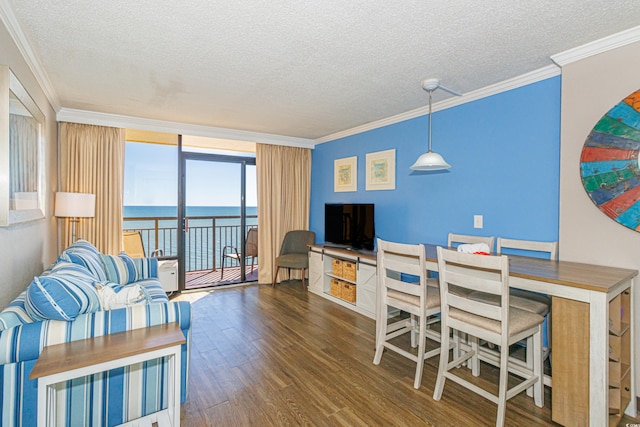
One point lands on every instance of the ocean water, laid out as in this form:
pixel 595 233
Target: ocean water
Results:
pixel 211 228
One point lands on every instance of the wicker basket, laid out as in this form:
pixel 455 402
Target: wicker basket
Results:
pixel 336 267
pixel 349 271
pixel 349 292
pixel 336 288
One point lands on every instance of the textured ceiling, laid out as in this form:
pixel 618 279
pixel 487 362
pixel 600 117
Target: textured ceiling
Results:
pixel 305 68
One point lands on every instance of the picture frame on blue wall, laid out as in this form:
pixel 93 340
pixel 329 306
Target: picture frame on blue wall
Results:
pixel 345 174
pixel 381 170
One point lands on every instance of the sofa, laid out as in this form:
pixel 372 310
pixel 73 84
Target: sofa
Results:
pixel 85 294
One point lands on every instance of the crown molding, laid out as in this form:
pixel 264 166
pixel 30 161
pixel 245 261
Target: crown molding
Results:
pixel 15 31
pixel 506 85
pixel 130 122
pixel 613 41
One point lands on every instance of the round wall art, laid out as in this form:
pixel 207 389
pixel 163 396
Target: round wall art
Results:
pixel 609 163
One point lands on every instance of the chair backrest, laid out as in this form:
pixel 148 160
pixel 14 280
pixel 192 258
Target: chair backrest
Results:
pixel 463 238
pixel 251 244
pixel 488 274
pixel 297 242
pixel 132 241
pixel 395 259
pixel 529 245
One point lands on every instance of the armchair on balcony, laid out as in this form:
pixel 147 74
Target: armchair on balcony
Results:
pixel 250 249
pixel 132 241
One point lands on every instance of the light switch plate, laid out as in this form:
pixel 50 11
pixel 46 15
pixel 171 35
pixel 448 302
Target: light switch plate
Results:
pixel 477 221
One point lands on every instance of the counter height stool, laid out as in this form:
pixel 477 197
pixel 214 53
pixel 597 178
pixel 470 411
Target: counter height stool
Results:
pixel 419 300
pixel 500 324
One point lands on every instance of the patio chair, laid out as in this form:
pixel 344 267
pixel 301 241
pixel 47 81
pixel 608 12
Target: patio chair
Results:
pixel 133 246
pixel 250 250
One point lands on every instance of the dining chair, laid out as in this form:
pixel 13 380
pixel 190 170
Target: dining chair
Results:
pixel 294 253
pixel 527 300
pixel 501 325
pixel 422 302
pixel 250 250
pixel 465 239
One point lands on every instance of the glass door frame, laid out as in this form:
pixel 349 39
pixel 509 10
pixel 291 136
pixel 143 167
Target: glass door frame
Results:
pixel 184 156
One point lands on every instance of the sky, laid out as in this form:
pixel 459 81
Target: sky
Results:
pixel 151 179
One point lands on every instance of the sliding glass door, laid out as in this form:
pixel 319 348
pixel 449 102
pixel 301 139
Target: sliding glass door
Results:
pixel 218 213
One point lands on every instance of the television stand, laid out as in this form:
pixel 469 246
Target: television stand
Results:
pixel 354 287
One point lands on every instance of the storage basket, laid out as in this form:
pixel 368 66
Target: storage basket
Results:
pixel 349 270
pixel 349 292
pixel 336 288
pixel 336 267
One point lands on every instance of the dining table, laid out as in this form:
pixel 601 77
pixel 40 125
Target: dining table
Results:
pixel 581 295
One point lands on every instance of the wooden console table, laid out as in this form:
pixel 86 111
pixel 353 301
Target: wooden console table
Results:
pixel 75 359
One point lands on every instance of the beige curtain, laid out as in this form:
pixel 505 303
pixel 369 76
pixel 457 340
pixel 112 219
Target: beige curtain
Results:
pixel 92 161
pixel 284 182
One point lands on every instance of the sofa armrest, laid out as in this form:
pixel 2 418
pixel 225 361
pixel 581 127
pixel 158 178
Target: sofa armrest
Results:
pixel 25 342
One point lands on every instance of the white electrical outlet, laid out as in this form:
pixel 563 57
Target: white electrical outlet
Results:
pixel 477 221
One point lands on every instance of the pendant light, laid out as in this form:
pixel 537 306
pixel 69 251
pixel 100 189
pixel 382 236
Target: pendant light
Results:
pixel 431 161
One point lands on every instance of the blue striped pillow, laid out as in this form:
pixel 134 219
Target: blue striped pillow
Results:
pixel 85 254
pixel 119 269
pixel 15 313
pixel 62 295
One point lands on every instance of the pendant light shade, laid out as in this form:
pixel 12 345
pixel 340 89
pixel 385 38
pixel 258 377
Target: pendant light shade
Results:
pixel 431 161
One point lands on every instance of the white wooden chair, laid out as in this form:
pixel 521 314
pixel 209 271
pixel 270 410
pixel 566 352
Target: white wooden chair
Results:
pixel 464 238
pixel 417 299
pixel 498 324
pixel 526 300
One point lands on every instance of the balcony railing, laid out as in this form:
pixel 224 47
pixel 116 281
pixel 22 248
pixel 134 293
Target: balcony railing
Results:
pixel 205 239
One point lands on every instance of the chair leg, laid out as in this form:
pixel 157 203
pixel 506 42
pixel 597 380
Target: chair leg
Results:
pixel 529 360
pixel 538 369
pixel 275 276
pixel 502 393
pixel 421 347
pixel 475 360
pixel 415 331
pixel 381 329
pixel 304 273
pixel 444 360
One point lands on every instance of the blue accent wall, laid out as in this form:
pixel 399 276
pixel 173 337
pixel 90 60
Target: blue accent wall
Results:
pixel 505 157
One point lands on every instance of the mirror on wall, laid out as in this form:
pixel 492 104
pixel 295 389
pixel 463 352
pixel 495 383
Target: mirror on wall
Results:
pixel 21 153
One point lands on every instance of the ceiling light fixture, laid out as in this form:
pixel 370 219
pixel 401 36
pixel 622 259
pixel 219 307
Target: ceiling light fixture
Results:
pixel 431 161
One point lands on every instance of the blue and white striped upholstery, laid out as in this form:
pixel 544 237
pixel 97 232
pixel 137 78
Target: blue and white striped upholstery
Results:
pixel 119 269
pixel 85 254
pixel 63 294
pixel 105 399
pixel 108 399
pixel 15 313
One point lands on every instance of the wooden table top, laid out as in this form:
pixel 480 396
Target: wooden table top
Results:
pixel 67 356
pixel 575 274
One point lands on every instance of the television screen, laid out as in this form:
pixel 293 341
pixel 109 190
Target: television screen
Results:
pixel 349 224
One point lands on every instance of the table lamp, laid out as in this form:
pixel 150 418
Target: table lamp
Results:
pixel 75 206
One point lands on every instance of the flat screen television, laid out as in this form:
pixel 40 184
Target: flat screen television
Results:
pixel 349 225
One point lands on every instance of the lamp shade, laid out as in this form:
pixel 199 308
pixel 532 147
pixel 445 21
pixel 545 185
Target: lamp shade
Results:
pixel 430 161
pixel 75 205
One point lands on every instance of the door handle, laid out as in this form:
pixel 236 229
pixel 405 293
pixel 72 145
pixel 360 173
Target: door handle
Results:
pixel 185 224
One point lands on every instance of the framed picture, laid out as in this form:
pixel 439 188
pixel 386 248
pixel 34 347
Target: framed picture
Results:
pixel 381 170
pixel 345 173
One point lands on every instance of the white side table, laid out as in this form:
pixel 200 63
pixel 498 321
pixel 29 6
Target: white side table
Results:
pixel 75 359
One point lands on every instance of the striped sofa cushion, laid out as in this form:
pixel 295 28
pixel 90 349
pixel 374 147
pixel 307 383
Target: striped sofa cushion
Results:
pixel 15 313
pixel 105 399
pixel 63 294
pixel 119 269
pixel 85 254
pixel 146 268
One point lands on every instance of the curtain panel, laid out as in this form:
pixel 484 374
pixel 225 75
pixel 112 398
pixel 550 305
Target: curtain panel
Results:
pixel 92 161
pixel 284 182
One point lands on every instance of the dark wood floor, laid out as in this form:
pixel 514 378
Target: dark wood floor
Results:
pixel 265 357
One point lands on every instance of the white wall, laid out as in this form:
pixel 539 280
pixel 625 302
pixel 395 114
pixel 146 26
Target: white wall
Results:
pixel 590 87
pixel 26 249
